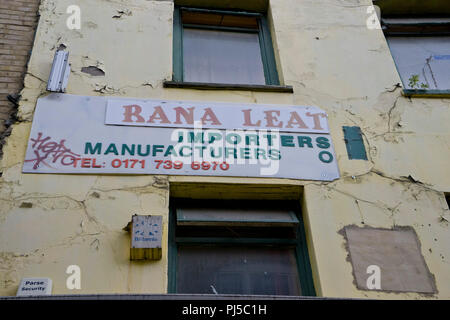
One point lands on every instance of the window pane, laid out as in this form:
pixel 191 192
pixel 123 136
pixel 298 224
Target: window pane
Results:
pixel 222 57
pixel 422 60
pixel 237 270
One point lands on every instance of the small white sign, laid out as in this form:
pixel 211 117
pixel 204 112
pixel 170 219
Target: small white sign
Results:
pixel 35 287
pixel 146 232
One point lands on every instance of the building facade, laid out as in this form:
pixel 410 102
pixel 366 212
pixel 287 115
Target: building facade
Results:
pixel 356 206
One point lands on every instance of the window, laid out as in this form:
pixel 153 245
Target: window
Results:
pixel 237 247
pixel 418 35
pixel 222 47
pixel 421 52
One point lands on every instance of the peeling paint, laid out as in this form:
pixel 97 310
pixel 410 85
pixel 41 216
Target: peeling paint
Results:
pixel 121 13
pixel 93 71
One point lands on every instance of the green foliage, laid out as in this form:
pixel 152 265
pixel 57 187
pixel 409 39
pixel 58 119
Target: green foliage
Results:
pixel 414 82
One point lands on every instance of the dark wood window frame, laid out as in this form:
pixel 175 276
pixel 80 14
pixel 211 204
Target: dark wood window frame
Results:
pixel 267 53
pixel 296 240
pixel 420 29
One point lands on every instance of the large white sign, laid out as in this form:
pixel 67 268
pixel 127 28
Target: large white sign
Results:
pixel 69 135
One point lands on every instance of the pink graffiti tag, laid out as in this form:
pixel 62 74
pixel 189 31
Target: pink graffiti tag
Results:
pixel 45 148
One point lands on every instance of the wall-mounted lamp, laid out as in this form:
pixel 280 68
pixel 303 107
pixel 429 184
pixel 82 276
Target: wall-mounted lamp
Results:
pixel 59 76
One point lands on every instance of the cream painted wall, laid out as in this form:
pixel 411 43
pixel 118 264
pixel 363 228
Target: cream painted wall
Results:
pixel 333 61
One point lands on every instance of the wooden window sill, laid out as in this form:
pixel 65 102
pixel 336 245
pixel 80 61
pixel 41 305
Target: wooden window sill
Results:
pixel 226 86
pixel 418 93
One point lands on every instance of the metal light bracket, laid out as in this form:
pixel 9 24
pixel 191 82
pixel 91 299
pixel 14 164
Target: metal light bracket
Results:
pixel 59 76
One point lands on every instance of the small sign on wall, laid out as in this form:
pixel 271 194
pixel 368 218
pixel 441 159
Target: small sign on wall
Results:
pixel 35 287
pixel 146 234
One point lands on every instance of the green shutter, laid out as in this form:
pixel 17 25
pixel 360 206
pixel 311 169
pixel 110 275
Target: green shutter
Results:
pixel 354 143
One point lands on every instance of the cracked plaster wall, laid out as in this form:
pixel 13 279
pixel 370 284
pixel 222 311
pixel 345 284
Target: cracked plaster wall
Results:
pixel 333 61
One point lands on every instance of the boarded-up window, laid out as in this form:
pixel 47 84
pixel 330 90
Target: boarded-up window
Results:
pixel 397 255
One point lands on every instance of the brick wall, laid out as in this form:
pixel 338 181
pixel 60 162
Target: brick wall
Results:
pixel 18 21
